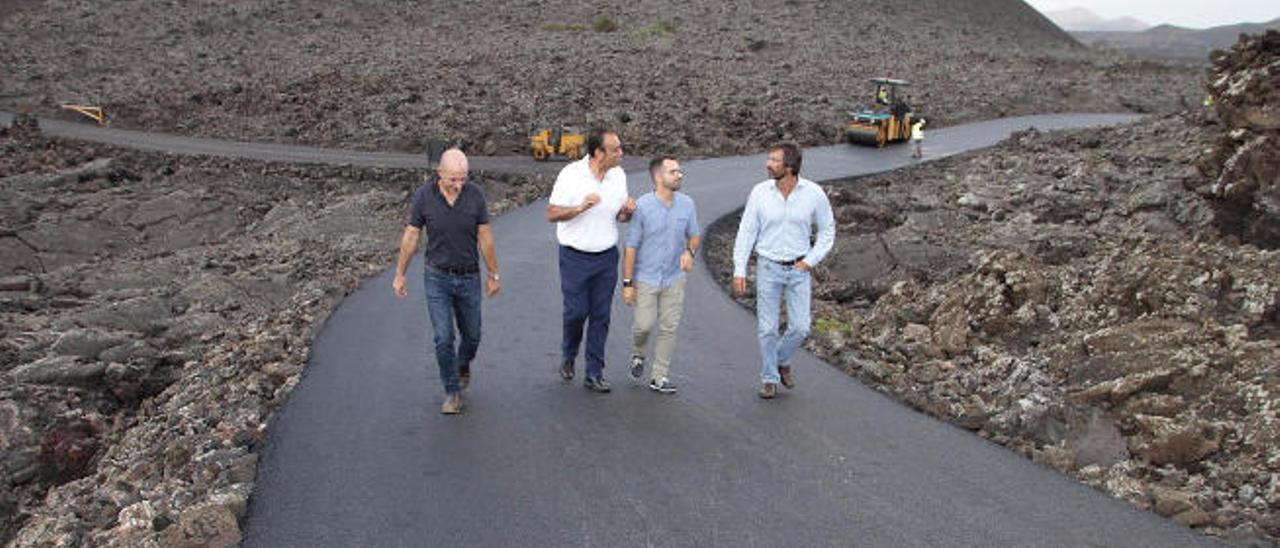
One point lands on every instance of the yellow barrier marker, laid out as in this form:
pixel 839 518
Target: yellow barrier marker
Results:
pixel 92 112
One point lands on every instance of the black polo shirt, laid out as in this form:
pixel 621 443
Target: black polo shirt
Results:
pixel 450 230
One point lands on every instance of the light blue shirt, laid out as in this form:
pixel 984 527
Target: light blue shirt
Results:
pixel 779 229
pixel 660 233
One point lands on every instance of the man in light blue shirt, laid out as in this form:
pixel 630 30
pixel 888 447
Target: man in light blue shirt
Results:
pixel 778 222
pixel 661 244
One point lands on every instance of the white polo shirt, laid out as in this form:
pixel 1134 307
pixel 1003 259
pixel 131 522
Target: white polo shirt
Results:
pixel 596 229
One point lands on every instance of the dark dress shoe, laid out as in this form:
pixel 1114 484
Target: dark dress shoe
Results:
pixel 768 391
pixel 788 381
pixel 566 370
pixel 596 385
pixel 464 376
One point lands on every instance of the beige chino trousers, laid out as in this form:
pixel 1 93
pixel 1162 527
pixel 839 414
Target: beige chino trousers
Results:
pixel 663 307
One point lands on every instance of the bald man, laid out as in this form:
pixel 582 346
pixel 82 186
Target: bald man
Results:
pixel 455 216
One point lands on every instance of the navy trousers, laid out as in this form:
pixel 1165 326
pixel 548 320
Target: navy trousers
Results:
pixel 587 281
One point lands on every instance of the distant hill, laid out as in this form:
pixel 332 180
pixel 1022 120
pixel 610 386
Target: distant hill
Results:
pixel 1170 42
pixel 1082 19
pixel 673 76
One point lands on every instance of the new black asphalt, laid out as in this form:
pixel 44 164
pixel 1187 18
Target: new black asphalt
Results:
pixel 274 152
pixel 361 456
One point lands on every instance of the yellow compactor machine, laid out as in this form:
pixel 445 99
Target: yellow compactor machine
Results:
pixel 567 141
pixel 886 120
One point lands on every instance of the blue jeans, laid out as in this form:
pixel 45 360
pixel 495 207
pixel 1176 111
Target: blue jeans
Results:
pixel 453 297
pixel 587 281
pixel 772 282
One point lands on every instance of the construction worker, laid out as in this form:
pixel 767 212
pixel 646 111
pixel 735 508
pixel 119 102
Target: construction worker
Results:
pixel 882 95
pixel 1208 101
pixel 917 138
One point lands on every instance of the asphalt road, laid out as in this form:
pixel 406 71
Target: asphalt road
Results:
pixel 86 130
pixel 360 455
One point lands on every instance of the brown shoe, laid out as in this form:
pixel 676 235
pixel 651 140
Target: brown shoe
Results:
pixel 464 376
pixel 452 404
pixel 768 391
pixel 788 381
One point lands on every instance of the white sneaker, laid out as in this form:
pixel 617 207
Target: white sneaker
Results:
pixel 664 386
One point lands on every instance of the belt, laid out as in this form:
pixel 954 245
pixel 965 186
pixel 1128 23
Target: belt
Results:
pixel 791 262
pixel 576 250
pixel 456 270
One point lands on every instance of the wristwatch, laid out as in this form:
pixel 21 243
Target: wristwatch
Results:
pixel 626 282
pixel 692 253
pixel 495 277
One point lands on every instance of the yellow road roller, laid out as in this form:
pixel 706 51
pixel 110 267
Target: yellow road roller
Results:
pixel 886 120
pixel 558 141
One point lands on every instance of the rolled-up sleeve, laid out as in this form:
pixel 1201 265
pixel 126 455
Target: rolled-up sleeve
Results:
pixel 635 232
pixel 692 229
pixel 748 230
pixel 825 221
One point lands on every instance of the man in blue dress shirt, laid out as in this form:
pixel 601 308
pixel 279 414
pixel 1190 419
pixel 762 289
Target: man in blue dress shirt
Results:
pixel 661 244
pixel 778 223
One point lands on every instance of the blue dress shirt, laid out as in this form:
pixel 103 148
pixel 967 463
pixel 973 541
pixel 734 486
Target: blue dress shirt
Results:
pixel 659 233
pixel 780 229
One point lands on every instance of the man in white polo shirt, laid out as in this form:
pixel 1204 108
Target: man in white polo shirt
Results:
pixel 587 201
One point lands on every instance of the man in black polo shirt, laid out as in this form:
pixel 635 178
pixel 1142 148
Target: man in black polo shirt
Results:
pixel 456 218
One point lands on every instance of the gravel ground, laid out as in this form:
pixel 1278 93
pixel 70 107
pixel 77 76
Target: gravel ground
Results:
pixel 688 78
pixel 1078 298
pixel 156 309
pixel 154 312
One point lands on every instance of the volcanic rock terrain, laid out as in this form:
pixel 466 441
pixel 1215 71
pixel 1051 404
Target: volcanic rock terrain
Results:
pixel 1099 301
pixel 1103 301
pixel 154 313
pixel 692 78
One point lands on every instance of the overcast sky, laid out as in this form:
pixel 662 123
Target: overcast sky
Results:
pixel 1183 13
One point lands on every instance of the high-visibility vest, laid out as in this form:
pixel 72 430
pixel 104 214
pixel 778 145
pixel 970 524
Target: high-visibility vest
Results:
pixel 917 130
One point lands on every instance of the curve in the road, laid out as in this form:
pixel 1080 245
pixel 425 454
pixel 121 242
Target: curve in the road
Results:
pixel 275 152
pixel 360 456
